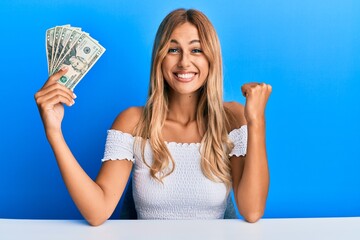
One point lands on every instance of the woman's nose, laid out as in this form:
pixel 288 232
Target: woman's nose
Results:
pixel 184 60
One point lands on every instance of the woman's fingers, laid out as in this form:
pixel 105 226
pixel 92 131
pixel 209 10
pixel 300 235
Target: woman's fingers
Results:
pixel 257 95
pixel 249 89
pixel 50 100
pixel 53 90
pixel 52 87
pixel 55 77
pixel 56 99
pixel 55 94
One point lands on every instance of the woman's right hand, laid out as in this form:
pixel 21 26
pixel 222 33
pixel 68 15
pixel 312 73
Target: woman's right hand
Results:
pixel 50 99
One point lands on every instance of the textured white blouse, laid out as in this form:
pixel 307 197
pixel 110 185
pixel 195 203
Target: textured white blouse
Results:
pixel 184 194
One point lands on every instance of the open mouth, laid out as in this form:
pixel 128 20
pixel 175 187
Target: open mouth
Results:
pixel 185 77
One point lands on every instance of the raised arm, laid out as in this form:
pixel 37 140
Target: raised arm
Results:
pixel 250 173
pixel 96 200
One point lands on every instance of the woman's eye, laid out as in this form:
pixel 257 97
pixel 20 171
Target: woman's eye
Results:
pixel 197 50
pixel 173 50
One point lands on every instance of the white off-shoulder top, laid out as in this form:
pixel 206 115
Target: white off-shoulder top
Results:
pixel 184 194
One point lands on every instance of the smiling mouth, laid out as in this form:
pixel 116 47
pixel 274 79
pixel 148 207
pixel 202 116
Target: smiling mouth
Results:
pixel 184 77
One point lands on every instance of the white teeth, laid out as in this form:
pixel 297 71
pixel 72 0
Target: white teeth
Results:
pixel 186 75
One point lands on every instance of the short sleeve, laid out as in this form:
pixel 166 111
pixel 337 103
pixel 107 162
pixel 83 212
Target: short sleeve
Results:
pixel 239 138
pixel 119 146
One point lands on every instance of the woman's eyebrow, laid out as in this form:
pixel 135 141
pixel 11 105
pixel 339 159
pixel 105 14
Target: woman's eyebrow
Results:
pixel 194 41
pixel 191 42
pixel 174 41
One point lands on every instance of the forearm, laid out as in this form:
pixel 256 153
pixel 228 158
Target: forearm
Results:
pixel 253 187
pixel 87 195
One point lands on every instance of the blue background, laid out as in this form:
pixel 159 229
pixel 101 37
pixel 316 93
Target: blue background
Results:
pixel 307 50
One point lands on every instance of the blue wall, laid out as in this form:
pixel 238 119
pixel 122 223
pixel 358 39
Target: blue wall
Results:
pixel 308 51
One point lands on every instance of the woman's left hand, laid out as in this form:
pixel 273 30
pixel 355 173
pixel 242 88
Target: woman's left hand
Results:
pixel 257 95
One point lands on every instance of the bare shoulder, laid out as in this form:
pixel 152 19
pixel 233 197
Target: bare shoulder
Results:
pixel 235 112
pixel 127 120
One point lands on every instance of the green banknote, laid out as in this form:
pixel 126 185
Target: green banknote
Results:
pixel 70 47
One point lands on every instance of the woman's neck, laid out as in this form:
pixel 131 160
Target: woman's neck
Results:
pixel 182 108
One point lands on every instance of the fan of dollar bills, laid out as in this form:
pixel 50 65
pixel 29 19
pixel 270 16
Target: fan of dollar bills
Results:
pixel 70 47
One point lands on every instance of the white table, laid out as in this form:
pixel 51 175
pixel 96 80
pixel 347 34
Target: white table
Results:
pixel 277 229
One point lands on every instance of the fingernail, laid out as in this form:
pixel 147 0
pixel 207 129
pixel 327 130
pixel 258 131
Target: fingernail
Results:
pixel 64 68
pixel 74 95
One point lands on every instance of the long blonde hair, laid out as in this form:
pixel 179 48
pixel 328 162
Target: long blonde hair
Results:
pixel 211 116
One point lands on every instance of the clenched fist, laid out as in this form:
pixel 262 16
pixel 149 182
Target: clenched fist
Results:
pixel 257 95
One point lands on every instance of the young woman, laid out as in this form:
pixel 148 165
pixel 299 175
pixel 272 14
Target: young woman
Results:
pixel 188 147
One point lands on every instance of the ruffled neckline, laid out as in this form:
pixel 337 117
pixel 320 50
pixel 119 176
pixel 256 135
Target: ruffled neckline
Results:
pixel 231 134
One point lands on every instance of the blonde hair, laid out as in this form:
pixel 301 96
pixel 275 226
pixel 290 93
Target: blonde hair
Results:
pixel 211 116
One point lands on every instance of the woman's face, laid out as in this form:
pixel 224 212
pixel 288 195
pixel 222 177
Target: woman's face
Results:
pixel 185 67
